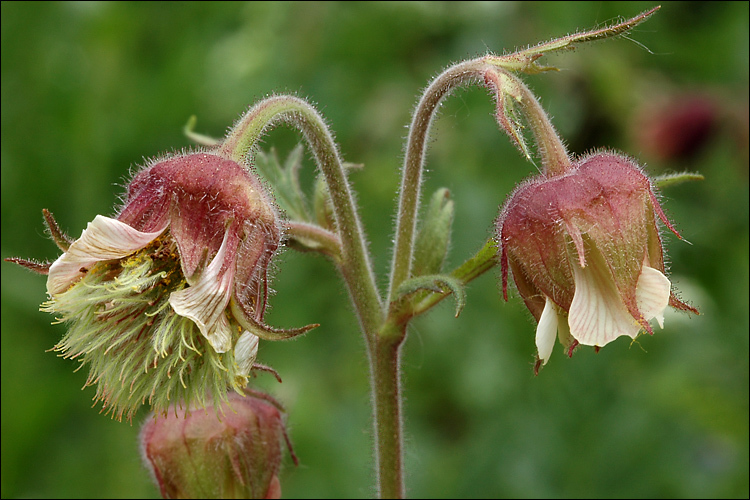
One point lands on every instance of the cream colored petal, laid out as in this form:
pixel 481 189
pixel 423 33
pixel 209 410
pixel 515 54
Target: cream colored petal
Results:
pixel 546 331
pixel 219 334
pixel 103 239
pixel 206 301
pixel 597 313
pixel 245 353
pixel 652 294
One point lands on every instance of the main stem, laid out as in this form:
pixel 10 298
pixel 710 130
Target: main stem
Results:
pixel 386 377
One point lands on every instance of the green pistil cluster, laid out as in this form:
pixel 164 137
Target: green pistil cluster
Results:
pixel 139 351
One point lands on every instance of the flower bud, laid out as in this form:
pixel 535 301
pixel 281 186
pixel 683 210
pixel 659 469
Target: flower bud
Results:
pixel 677 129
pixel 585 253
pixel 204 455
pixel 166 301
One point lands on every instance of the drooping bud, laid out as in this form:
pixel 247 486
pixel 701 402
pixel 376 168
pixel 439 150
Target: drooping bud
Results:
pixel 585 253
pixel 234 454
pixel 166 301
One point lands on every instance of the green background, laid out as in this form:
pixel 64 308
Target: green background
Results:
pixel 91 89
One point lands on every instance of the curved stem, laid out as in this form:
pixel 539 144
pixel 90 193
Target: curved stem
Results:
pixel 355 262
pixel 385 352
pixel 416 147
pixel 489 71
pixel 494 70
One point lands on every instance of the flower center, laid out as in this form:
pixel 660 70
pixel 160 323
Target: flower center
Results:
pixel 122 325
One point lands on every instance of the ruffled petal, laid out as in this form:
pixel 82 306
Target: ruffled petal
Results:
pixel 206 301
pixel 103 239
pixel 652 294
pixel 597 313
pixel 245 352
pixel 546 331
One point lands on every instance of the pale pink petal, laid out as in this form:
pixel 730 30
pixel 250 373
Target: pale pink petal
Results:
pixel 245 352
pixel 546 331
pixel 652 294
pixel 206 301
pixel 103 239
pixel 597 313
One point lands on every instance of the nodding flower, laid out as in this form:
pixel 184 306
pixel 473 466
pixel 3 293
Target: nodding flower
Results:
pixel 165 301
pixel 584 251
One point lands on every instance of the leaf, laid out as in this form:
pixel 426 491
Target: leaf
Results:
pixel 434 236
pixel 507 113
pixel 525 61
pixel 668 180
pixel 285 181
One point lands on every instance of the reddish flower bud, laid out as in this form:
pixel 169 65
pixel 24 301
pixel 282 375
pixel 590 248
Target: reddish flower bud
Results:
pixel 204 455
pixel 585 253
pixel 678 128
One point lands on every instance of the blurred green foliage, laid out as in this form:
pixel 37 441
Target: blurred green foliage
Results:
pixel 90 89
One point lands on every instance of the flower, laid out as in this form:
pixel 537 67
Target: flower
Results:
pixel 585 253
pixel 166 301
pixel 676 128
pixel 204 455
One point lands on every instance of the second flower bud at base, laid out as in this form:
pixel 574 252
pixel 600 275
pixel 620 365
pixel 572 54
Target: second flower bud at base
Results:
pixel 585 253
pixel 234 454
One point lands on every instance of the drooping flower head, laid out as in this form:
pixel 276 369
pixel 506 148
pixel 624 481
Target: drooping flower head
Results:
pixel 165 302
pixel 585 253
